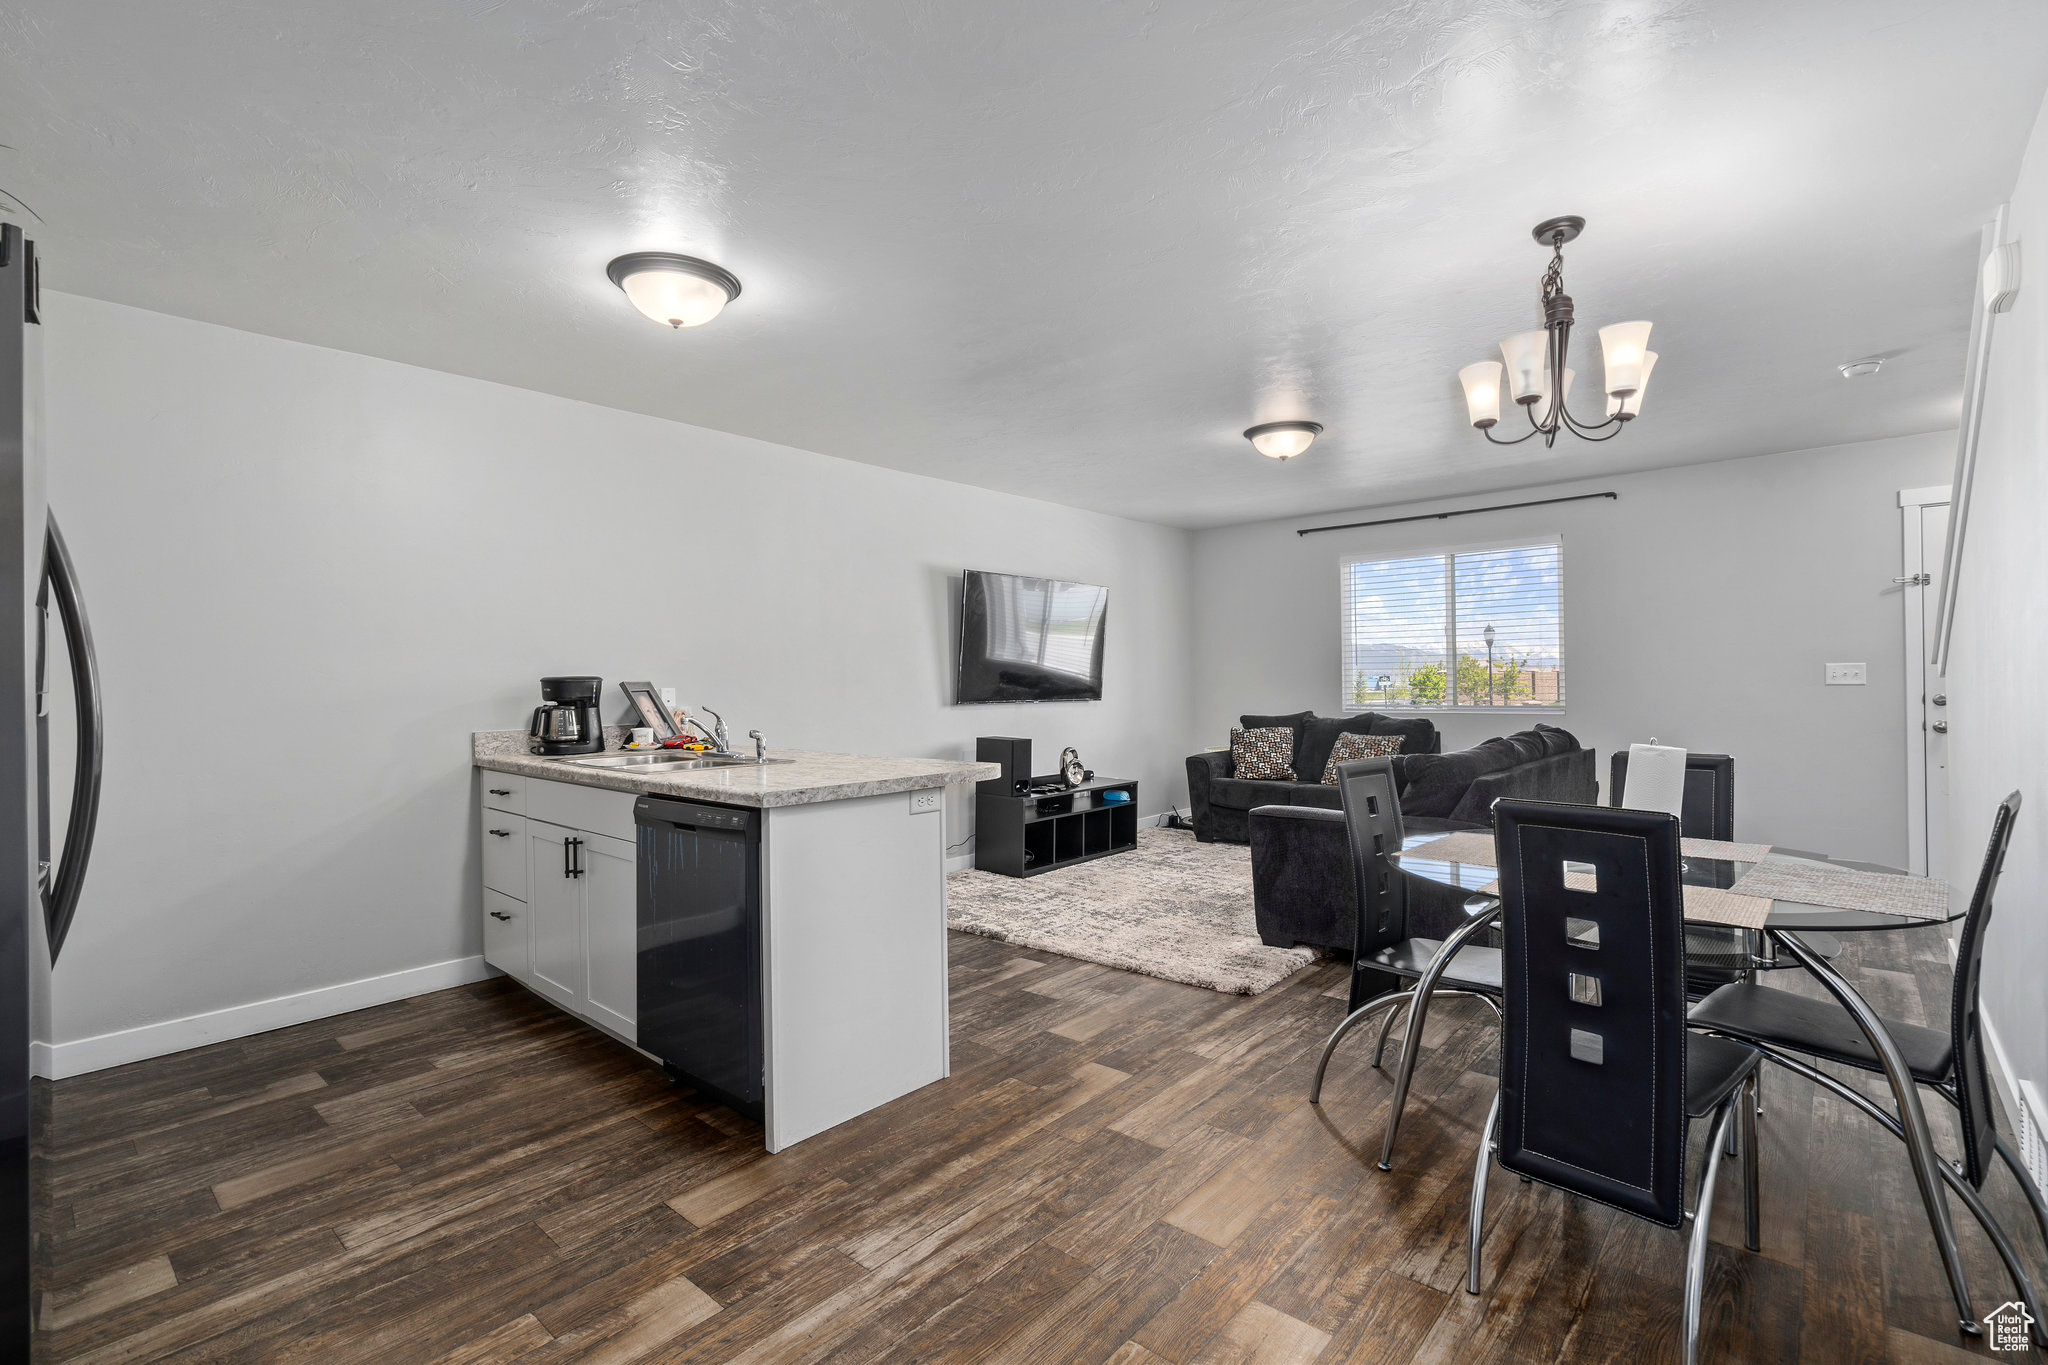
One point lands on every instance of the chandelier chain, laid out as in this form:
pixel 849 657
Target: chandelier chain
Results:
pixel 1553 278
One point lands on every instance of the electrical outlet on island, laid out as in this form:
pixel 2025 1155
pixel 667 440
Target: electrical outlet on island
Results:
pixel 922 802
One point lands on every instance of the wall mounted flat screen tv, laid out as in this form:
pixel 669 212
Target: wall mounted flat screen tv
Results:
pixel 1029 639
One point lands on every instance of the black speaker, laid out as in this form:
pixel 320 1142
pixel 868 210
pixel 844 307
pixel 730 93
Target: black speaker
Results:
pixel 1013 754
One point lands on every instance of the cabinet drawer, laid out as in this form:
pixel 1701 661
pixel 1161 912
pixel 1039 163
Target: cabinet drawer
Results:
pixel 505 853
pixel 502 791
pixel 595 810
pixel 505 933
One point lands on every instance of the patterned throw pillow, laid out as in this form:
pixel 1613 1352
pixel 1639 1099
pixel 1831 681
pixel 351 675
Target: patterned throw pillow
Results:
pixel 1351 748
pixel 1262 755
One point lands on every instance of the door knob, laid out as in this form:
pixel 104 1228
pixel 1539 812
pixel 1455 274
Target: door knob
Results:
pixel 1941 727
pixel 1941 699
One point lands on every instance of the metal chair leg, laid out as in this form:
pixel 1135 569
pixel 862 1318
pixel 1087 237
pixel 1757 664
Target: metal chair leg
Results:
pixel 1696 1253
pixel 1949 1175
pixel 1351 1020
pixel 1476 1215
pixel 1913 1125
pixel 1752 1195
pixel 1404 1075
pixel 1418 1012
pixel 2007 1252
pixel 1379 1053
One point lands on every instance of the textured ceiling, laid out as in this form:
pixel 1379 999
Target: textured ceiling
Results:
pixel 1065 248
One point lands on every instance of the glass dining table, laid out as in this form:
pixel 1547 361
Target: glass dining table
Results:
pixel 1784 930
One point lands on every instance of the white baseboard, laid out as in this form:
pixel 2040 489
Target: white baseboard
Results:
pixel 961 862
pixel 2002 1078
pixel 81 1055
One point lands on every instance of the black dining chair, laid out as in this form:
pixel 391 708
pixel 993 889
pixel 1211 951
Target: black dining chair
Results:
pixel 1708 805
pixel 1950 1062
pixel 1395 934
pixel 1714 954
pixel 1600 1079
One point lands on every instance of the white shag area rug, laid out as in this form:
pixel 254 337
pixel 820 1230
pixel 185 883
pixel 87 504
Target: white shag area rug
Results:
pixel 1172 908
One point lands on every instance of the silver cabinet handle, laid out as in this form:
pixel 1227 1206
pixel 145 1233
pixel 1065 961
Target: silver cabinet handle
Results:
pixel 500 914
pixel 60 892
pixel 1941 727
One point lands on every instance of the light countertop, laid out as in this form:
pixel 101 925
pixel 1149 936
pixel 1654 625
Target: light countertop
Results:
pixel 809 777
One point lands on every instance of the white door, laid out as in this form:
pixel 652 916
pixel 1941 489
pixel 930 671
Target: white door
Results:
pixel 1924 534
pixel 610 899
pixel 555 913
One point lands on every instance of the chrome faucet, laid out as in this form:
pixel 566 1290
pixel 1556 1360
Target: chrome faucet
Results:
pixel 718 739
pixel 760 746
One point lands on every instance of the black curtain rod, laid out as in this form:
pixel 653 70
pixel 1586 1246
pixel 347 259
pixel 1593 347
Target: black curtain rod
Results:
pixel 1461 512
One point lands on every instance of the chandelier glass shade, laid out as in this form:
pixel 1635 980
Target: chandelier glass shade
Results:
pixel 1532 368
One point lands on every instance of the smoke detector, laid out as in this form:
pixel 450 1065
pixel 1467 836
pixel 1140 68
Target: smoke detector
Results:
pixel 1856 369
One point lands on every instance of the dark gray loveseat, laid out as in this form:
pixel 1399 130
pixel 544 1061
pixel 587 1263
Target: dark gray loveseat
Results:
pixel 1301 870
pixel 1220 803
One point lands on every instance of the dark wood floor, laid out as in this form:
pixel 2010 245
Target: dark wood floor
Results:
pixel 1119 1169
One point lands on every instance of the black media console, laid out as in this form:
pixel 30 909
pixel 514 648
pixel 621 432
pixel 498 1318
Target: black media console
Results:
pixel 1039 830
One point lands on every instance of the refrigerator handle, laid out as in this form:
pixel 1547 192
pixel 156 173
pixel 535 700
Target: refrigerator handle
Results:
pixel 60 891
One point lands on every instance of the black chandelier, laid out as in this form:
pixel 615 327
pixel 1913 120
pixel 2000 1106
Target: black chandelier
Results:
pixel 1535 371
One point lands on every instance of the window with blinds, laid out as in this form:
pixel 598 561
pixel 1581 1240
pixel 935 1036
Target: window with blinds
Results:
pixel 1466 629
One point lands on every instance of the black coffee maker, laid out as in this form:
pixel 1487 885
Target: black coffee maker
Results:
pixel 568 722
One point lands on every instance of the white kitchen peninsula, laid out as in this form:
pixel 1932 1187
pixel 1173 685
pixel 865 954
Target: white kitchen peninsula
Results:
pixel 852 933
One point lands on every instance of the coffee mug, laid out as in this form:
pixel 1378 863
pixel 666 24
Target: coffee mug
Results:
pixel 643 736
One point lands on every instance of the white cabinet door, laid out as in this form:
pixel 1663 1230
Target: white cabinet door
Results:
pixel 610 897
pixel 555 913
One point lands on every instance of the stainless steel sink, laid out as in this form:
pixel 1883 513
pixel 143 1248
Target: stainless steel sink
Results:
pixel 632 761
pixel 673 762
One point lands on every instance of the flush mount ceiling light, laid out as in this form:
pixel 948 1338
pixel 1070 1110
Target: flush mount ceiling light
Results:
pixel 1856 369
pixel 1283 440
pixel 680 291
pixel 1535 375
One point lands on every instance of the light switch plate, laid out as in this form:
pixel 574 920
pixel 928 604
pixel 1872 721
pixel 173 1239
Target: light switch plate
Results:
pixel 1846 675
pixel 932 800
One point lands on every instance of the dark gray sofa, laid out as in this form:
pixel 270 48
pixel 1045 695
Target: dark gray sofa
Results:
pixel 1543 764
pixel 1301 870
pixel 1220 803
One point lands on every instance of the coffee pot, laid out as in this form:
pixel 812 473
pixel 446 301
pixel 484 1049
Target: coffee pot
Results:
pixel 567 721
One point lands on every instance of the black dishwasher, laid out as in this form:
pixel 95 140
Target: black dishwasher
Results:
pixel 699 944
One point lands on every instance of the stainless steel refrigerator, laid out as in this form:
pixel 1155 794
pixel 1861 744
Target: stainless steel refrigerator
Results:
pixel 38 894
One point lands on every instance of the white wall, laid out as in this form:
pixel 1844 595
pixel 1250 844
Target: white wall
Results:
pixel 311 574
pixel 1998 664
pixel 1699 608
